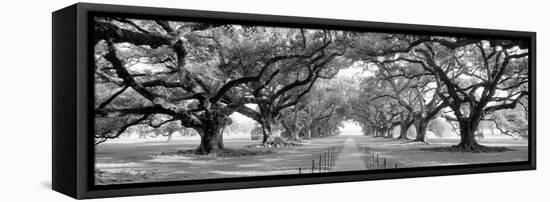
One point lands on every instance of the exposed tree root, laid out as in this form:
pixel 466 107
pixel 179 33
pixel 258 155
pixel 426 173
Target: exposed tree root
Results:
pixel 279 142
pixel 295 140
pixel 470 148
pixel 203 151
pixel 220 153
pixel 417 142
pixel 476 148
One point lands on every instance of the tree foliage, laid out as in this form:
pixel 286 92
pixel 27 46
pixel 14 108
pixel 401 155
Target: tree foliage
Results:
pixel 170 76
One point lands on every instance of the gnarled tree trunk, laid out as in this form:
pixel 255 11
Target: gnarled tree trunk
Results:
pixel 389 134
pixel 383 133
pixel 211 133
pixel 376 133
pixel 293 132
pixel 468 142
pixel 211 139
pixel 307 134
pixel 272 134
pixel 421 128
pixel 403 129
pixel 294 136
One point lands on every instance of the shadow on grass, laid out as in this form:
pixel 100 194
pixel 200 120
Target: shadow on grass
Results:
pixel 225 153
pixel 481 149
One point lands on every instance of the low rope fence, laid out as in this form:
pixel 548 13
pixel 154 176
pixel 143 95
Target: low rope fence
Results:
pixel 324 163
pixel 373 161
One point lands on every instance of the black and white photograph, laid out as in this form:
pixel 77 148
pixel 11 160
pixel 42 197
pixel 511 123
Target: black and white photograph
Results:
pixel 192 100
pixel 275 101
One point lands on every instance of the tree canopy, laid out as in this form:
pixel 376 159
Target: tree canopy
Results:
pixel 171 75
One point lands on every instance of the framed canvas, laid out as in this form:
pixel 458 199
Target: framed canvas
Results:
pixel 155 100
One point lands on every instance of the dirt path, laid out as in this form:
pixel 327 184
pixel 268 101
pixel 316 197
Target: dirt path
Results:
pixel 349 158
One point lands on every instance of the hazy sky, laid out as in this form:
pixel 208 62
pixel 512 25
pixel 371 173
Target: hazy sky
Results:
pixel 358 69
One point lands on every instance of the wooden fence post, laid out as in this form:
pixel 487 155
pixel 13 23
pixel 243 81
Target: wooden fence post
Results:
pixel 312 166
pixel 377 162
pixel 372 160
pixel 330 159
pixel 320 163
pixel 324 161
pixel 368 162
pixel 366 165
pixel 333 157
pixel 325 155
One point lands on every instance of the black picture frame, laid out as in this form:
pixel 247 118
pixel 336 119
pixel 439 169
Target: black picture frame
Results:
pixel 73 149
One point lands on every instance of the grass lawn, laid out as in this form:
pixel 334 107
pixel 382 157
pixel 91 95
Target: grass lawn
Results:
pixel 154 161
pixel 420 155
pixel 143 162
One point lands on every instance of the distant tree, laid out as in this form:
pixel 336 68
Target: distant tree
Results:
pixel 379 116
pixel 325 107
pixel 476 77
pixel 511 122
pixel 283 85
pixel 256 132
pixel 441 128
pixel 401 90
